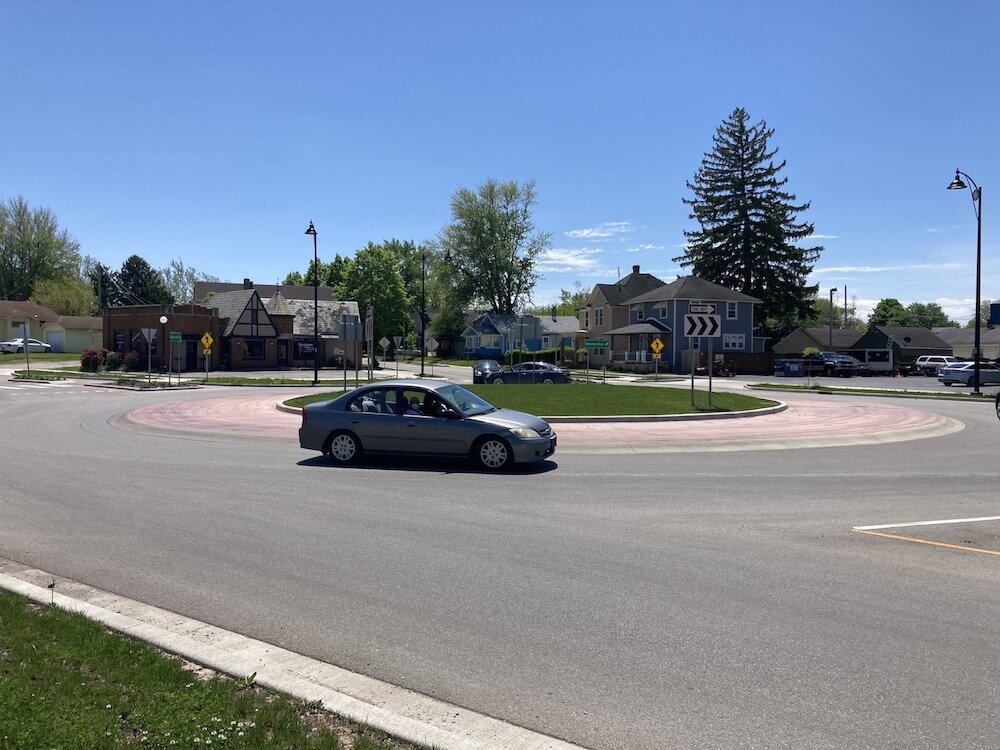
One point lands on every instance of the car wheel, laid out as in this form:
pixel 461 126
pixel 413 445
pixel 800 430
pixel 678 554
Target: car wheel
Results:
pixel 492 453
pixel 547 381
pixel 998 406
pixel 343 448
pixel 497 381
pixel 20 350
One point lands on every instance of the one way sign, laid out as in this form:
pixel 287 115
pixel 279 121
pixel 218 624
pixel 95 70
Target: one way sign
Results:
pixel 702 325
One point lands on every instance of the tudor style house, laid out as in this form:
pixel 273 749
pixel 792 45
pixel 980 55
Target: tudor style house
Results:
pixel 247 331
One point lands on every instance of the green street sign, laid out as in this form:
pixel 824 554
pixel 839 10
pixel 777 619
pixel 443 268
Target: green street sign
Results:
pixel 175 335
pixel 596 343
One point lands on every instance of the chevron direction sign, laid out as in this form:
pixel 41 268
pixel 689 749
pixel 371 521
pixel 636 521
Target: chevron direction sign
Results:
pixel 702 325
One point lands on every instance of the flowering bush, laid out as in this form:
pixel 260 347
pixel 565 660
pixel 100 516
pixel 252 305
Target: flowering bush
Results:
pixel 113 361
pixel 92 359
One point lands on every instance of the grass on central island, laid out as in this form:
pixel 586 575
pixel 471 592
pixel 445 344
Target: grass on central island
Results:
pixel 598 400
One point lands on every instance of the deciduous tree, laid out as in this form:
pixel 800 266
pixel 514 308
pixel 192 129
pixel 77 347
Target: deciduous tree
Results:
pixel 492 244
pixel 33 248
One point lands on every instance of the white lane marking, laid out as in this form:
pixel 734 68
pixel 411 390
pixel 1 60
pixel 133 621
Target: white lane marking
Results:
pixel 925 523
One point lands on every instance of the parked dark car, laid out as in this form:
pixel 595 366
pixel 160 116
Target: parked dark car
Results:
pixel 530 372
pixel 483 368
pixel 857 366
pixel 417 417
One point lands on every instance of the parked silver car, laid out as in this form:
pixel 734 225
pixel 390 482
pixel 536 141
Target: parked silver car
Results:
pixel 425 418
pixel 963 373
pixel 15 346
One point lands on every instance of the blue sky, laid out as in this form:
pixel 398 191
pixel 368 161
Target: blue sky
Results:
pixel 215 131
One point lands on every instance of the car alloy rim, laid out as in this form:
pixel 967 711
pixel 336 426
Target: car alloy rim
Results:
pixel 548 381
pixel 342 448
pixel 493 454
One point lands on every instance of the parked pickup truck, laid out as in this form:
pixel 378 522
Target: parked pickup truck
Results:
pixel 830 364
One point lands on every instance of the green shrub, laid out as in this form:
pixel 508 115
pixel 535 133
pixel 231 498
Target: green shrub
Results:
pixel 91 360
pixel 113 361
pixel 131 362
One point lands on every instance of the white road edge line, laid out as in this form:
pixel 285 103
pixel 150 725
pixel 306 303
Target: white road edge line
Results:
pixel 924 523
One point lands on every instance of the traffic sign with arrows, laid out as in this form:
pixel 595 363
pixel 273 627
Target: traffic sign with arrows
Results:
pixel 702 325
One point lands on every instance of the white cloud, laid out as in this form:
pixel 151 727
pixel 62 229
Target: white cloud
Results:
pixel 886 269
pixel 602 231
pixel 556 260
pixel 823 237
pixel 646 246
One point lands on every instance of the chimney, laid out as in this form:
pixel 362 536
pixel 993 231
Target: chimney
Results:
pixel 247 284
pixel 553 312
pixel 635 269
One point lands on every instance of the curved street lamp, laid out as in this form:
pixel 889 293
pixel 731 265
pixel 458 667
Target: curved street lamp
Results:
pixel 312 230
pixel 977 205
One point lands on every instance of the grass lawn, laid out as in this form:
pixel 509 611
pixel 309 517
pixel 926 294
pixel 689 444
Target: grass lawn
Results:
pixel 596 399
pixel 66 682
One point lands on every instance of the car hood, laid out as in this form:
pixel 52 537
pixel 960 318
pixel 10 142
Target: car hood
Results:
pixel 508 418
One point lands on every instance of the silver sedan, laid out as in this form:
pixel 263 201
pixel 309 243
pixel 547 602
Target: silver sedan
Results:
pixel 425 418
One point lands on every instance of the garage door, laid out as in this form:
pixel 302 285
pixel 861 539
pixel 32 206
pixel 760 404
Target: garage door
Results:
pixel 56 339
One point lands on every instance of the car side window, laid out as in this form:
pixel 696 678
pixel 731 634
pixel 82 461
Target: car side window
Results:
pixel 376 401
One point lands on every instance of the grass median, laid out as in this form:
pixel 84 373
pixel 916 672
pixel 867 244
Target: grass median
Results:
pixel 598 400
pixel 67 682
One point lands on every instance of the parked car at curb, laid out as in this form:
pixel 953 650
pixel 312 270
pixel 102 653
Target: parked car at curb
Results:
pixel 963 372
pixel 828 363
pixel 530 372
pixel 931 364
pixel 16 346
pixel 423 418
pixel 483 368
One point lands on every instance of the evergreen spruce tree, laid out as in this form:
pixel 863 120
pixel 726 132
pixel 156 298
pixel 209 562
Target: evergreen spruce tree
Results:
pixel 748 224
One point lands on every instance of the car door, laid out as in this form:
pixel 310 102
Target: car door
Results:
pixel 373 416
pixel 431 427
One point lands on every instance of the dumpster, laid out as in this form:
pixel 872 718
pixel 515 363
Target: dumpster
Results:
pixel 795 368
pixel 779 368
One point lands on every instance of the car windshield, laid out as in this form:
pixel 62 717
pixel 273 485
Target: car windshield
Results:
pixel 467 402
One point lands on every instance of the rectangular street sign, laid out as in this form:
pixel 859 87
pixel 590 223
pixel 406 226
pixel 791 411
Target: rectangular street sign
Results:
pixel 702 308
pixel 595 343
pixel 697 326
pixel 175 335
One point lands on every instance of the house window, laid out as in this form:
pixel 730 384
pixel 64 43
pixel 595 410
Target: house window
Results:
pixel 733 342
pixel 253 348
pixel 599 316
pixel 636 314
pixel 586 319
pixel 730 311
pixel 662 313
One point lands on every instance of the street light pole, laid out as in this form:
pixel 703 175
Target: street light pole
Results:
pixel 977 205
pixel 312 230
pixel 163 338
pixel 423 309
pixel 832 290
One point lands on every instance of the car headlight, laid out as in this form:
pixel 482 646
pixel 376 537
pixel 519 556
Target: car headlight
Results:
pixel 525 433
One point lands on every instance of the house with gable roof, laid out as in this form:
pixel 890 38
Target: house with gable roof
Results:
pixel 492 335
pixel 248 331
pixel 660 313
pixel 606 309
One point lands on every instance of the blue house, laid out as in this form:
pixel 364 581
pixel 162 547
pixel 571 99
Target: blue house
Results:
pixel 660 313
pixel 492 335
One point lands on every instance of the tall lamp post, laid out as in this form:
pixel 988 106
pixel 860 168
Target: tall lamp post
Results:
pixel 163 339
pixel 312 230
pixel 977 205
pixel 423 309
pixel 832 290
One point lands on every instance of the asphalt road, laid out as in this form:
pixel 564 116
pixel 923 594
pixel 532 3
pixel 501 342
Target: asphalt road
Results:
pixel 696 600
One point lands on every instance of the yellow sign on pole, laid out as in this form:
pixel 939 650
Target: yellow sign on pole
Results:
pixel 207 352
pixel 656 356
pixel 206 340
pixel 656 345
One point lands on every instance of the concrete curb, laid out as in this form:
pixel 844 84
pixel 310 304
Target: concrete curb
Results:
pixel 397 711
